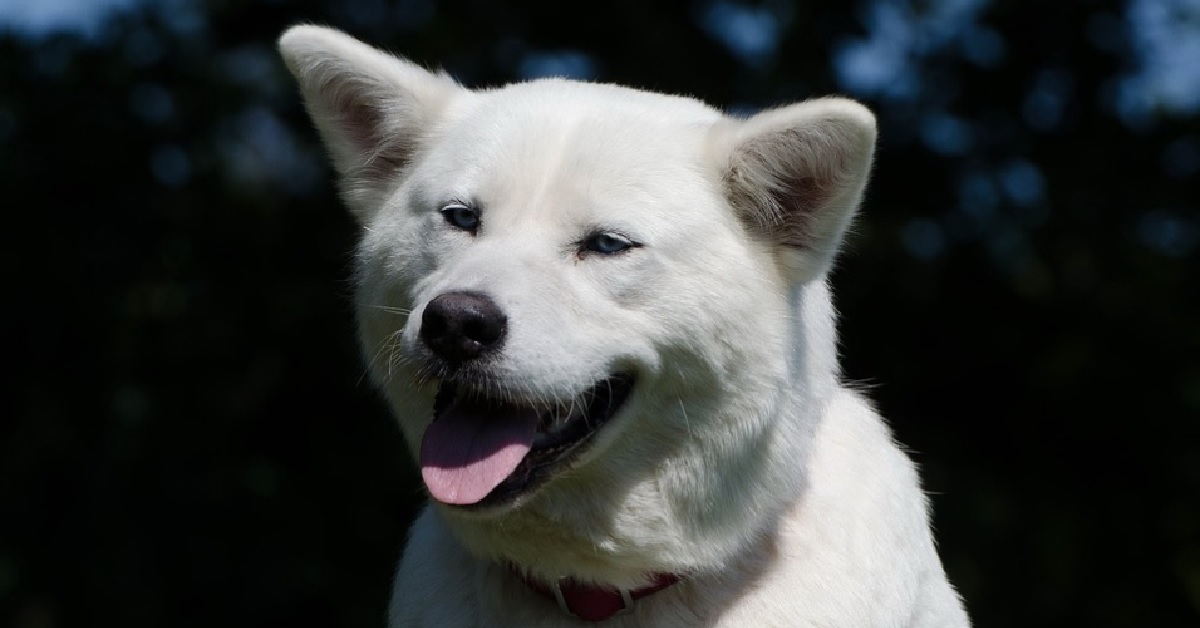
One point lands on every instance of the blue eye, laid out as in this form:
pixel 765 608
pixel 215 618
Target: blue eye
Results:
pixel 461 217
pixel 607 243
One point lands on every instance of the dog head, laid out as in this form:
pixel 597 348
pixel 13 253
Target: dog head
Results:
pixel 594 310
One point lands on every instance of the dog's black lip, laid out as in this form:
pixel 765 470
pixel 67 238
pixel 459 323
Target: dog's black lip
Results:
pixel 552 451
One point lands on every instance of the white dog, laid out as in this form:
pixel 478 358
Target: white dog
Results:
pixel 601 318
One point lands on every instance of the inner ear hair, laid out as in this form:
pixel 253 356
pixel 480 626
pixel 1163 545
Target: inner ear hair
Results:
pixel 778 183
pixel 370 116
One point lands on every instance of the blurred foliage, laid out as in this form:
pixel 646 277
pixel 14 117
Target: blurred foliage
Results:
pixel 188 440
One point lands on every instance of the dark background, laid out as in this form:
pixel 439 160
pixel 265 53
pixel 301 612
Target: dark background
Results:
pixel 186 436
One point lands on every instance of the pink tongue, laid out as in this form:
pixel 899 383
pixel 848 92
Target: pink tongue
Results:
pixel 469 449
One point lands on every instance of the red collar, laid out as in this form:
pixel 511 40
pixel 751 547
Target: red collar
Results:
pixel 592 602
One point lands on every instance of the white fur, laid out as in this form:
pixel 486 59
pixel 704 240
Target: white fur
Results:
pixel 739 460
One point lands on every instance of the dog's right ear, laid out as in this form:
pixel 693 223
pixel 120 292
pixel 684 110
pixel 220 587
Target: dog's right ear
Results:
pixel 370 108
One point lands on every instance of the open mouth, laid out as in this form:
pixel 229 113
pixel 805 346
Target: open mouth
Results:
pixel 482 451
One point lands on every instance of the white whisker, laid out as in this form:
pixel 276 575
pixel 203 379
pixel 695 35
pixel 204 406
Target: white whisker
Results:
pixel 389 309
pixel 686 421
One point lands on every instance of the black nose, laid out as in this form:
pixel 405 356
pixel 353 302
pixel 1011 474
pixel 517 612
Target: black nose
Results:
pixel 461 326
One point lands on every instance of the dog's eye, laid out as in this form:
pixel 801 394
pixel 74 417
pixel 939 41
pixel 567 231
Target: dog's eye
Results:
pixel 461 216
pixel 607 243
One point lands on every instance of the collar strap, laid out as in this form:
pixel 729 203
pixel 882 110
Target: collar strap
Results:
pixel 593 602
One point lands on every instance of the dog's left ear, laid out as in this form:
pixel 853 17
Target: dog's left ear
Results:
pixel 796 175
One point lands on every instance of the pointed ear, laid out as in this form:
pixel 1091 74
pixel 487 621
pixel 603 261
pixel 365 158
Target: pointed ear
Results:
pixel 796 175
pixel 370 108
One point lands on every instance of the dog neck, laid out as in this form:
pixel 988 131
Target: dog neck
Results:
pixel 594 602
